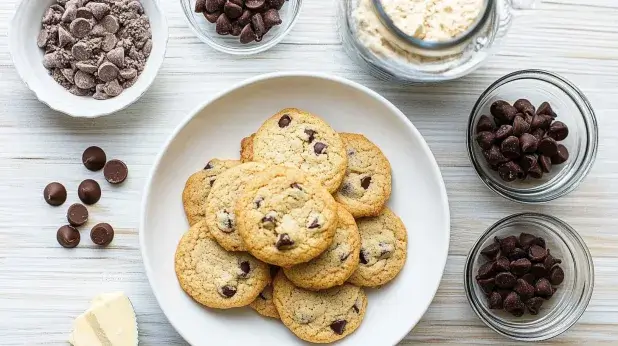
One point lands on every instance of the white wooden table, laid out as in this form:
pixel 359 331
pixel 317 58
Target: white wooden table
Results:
pixel 43 286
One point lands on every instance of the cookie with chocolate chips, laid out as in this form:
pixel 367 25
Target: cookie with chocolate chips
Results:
pixel 214 277
pixel 220 216
pixel 335 265
pixel 367 183
pixel 198 187
pixel 264 303
pixel 299 139
pixel 383 249
pixel 284 217
pixel 323 316
pixel 246 148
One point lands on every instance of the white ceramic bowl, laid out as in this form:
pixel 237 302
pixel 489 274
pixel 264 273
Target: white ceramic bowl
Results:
pixel 27 58
pixel 215 129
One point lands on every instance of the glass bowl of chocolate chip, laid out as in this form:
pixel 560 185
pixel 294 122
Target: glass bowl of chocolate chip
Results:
pixel 241 27
pixel 529 277
pixel 532 136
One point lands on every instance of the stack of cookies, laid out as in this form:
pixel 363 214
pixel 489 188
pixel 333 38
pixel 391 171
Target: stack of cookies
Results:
pixel 294 229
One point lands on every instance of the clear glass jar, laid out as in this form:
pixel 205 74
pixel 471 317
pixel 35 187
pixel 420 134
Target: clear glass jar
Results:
pixel 371 38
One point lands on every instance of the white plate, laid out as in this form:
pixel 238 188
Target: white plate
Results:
pixel 215 130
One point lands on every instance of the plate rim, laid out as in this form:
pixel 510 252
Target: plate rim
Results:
pixel 293 74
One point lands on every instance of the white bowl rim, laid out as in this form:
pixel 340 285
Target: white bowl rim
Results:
pixel 293 74
pixel 83 113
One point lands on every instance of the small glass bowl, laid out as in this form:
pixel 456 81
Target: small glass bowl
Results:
pixel 205 30
pixel 573 109
pixel 570 300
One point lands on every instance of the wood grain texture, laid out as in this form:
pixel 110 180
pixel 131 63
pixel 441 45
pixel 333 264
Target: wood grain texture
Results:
pixel 43 287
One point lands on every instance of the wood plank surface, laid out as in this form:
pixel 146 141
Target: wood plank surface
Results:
pixel 43 287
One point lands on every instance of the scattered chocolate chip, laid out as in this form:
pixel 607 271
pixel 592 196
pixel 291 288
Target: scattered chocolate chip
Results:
pixel 491 251
pixel 545 109
pixel 485 139
pixel 77 214
pixel 503 264
pixel 520 126
pixel 503 112
pixel 268 222
pixel 284 241
pixel 355 308
pixel 484 124
pixel 494 156
pixel 338 326
pixel 504 131
pixel 365 182
pixel 257 22
pixel 258 201
pixel 232 10
pixel 521 266
pixel 102 234
pixel 495 301
pixel 534 305
pixel 526 239
pixel 543 289
pixel 284 121
pixel 550 261
pixel 524 289
pixel 228 291
pixel 514 305
pixel 80 27
pixel 245 267
pixel 310 135
pixel 362 257
pixel 89 191
pixel 55 194
pixel 314 224
pixel 537 253
pixel 115 171
pixel 535 171
pixel 538 270
pixel 487 285
pixel 510 147
pixel 505 280
pixel 248 35
pixel 556 275
pixel 529 143
pixel 558 131
pixel 562 155
pixel 245 18
pixel 68 236
pixel 272 18
pixel 319 148
pixel 486 270
pixel 517 253
pixel 510 171
pixel 524 106
pixel 540 121
pixel 548 146
pixel 344 256
pixel 223 25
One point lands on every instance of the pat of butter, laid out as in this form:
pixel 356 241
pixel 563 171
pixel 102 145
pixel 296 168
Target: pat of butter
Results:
pixel 110 321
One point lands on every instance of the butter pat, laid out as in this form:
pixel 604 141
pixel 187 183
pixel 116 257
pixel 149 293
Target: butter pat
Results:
pixel 110 321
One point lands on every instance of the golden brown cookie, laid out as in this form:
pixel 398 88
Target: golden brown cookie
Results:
pixel 246 149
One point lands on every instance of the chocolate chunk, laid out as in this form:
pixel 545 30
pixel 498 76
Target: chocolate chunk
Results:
pixel 296 186
pixel 487 285
pixel 77 214
pixel 514 305
pixel 535 171
pixel 538 270
pixel 546 109
pixel 228 291
pixel 102 234
pixel 534 305
pixel 526 162
pixel 268 222
pixel 485 139
pixel 486 270
pixel 255 4
pixel 556 275
pixel 355 308
pixel 314 224
pixel 505 280
pixel 115 171
pixel 540 122
pixel 510 147
pixel 558 131
pixel 284 121
pixel 524 289
pixel 284 241
pixel 55 194
pixel 271 18
pixel 502 264
pixel 548 146
pixel 89 191
pixel 257 22
pixel 365 182
pixel 248 35
pixel 503 112
pixel 319 148
pixel 503 132
pixel 491 251
pixel 538 134
pixel 526 239
pixel 232 10
pixel 529 143
pixel 494 156
pixel 276 4
pixel 517 254
pixel 80 27
pixel 562 155
pixel 339 325
pixel 510 171
pixel 530 278
pixel 212 17
pixel 362 257
pixel 524 106
pixel 545 163
pixel 543 289
pixel 485 124
pixel 224 25
pixel 495 301
pixel 245 266
pixel 94 158
pixel 310 135
pixel 68 236
pixel 520 126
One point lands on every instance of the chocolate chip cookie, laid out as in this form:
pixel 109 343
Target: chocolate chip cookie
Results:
pixel 367 183
pixel 383 249
pixel 246 149
pixel 198 187
pixel 220 203
pixel 299 139
pixel 284 217
pixel 214 277
pixel 322 316
pixel 335 265
pixel 264 303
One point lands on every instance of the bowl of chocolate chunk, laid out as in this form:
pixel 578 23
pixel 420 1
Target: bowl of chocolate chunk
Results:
pixel 532 136
pixel 88 58
pixel 241 27
pixel 529 277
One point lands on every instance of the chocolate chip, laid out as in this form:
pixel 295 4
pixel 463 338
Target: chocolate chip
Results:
pixel 543 289
pixel 248 35
pixel 540 121
pixel 526 239
pixel 520 126
pixel 485 124
pixel 232 10
pixel 526 162
pixel 107 72
pixel 212 17
pixel 258 201
pixel 80 27
pixel 319 148
pixel 42 38
pixel 200 6
pixel 212 182
pixel 510 171
pixel 55 194
pixel 502 264
pixel 214 5
pixel 503 112
pixel 314 224
pixel 524 289
pixel 558 131
pixel 524 106
pixel 485 139
pixel 284 121
pixel 102 234
pixel 344 256
pixel 528 118
pixel 276 4
pixel 268 222
pixel 546 109
pixel 245 267
pixel 510 147
pixel 223 25
pixel 89 191
pixel 494 156
pixel 505 280
pixel 84 80
pixel 365 182
pixel 508 244
pixel 99 10
pixel 545 163
pixel 561 156
pixel 491 251
pixel 68 236
pixel 534 305
pixel 271 18
pixel 538 270
pixel 386 249
pixel 228 291
pixel 550 261
pixel 535 171
pixel 487 285
pixel 529 143
pixel 538 134
pixel 486 270
pixel 537 253
pixel 362 258
pixel 540 242
pixel 245 18
pixel 530 278
pixel 548 146
pixel 338 326
pixel 77 214
pixel 504 131
pixel 503 293
pixel 495 301
pixel 257 22
pixel 310 135
pixel 283 241
pixel 355 308
pixel 255 4
pixel 514 305
pixel 115 171
pixel 556 275
pixel 517 253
